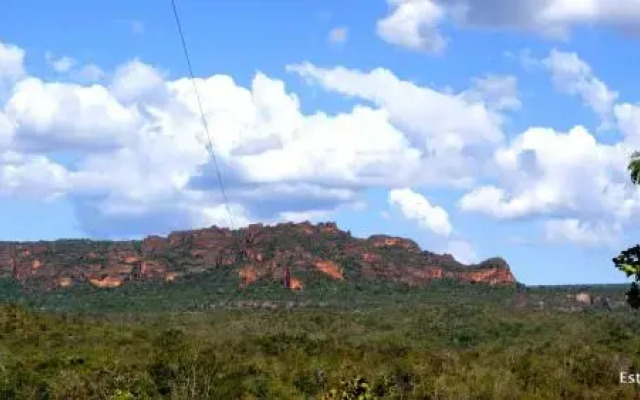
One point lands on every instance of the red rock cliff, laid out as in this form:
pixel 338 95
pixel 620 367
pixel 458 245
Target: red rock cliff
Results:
pixel 257 253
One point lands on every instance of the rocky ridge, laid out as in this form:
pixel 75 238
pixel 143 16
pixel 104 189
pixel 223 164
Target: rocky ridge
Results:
pixel 289 253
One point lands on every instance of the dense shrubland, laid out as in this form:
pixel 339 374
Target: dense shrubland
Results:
pixel 413 349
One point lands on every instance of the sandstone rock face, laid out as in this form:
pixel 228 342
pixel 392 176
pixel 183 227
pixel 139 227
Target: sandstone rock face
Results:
pixel 296 284
pixel 584 298
pixel 388 241
pixel 64 282
pixel 107 282
pixel 331 269
pixel 249 275
pixel 492 276
pixel 255 253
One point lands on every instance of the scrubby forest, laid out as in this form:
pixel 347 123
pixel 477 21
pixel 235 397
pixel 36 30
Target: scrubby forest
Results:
pixel 446 341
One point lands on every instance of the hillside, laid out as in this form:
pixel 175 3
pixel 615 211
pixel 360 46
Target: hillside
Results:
pixel 291 254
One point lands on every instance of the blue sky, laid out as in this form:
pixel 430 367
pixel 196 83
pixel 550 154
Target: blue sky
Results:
pixel 500 131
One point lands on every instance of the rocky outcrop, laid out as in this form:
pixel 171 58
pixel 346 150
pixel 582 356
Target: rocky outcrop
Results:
pixel 248 274
pixel 584 298
pixel 390 241
pixel 492 276
pixel 288 251
pixel 330 269
pixel 64 281
pixel 107 282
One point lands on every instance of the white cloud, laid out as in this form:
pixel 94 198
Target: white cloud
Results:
pixel 570 176
pixel 338 35
pixel 582 233
pixel 138 152
pixel 462 251
pixel 446 127
pixel 572 75
pixel 432 114
pixel 139 156
pixel 140 161
pixel 498 92
pixel 628 121
pixel 220 215
pixel 413 24
pixel 69 67
pixel 324 154
pixel 301 216
pixel 63 115
pixel 135 81
pixel 88 73
pixel 417 24
pixel 31 176
pixel 11 62
pixel 415 206
pixel 6 132
pixel 61 64
pixel 527 61
pixel 544 172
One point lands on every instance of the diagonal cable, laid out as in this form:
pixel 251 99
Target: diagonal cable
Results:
pixel 202 116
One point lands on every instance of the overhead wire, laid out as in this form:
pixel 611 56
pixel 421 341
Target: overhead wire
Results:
pixel 210 147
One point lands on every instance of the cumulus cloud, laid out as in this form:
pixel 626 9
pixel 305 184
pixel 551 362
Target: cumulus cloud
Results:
pixel 61 64
pixel 497 91
pixel 65 115
pixel 31 176
pixel 132 155
pixel 135 157
pixel 452 130
pixel 432 114
pixel 88 73
pixel 417 24
pixel 547 172
pixel 11 62
pixel 416 207
pixel 572 75
pixel 568 176
pixel 413 24
pixel 302 216
pixel 543 171
pixel 574 231
pixel 462 251
pixel 137 81
pixel 628 121
pixel 6 132
pixel 71 68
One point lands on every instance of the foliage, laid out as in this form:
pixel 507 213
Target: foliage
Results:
pixel 448 342
pixel 122 395
pixel 634 167
pixel 351 389
pixel 628 261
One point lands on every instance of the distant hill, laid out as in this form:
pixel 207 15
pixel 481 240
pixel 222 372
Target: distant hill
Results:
pixel 292 255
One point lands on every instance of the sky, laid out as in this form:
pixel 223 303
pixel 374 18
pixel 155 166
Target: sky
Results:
pixel 478 129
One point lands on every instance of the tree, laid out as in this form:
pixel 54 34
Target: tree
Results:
pixel 628 261
pixel 634 167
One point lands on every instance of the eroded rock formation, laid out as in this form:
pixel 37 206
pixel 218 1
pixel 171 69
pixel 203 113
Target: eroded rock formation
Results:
pixel 255 253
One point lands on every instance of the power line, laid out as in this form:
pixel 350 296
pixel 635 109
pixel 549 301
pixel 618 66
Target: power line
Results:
pixel 202 116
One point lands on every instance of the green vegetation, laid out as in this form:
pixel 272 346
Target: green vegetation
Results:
pixel 628 261
pixel 219 287
pixel 448 341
